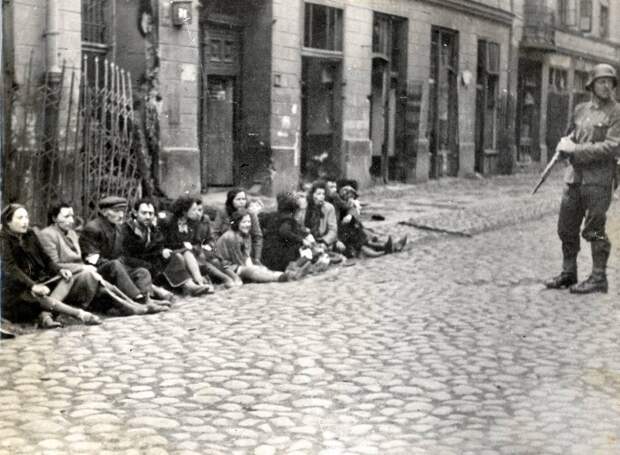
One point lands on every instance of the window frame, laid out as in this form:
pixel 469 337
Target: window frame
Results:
pixel 333 28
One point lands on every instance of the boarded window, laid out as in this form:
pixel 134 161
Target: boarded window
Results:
pixel 322 27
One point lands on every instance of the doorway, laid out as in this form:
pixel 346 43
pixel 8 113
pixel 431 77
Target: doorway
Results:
pixel 321 112
pixel 221 53
pixel 219 130
pixel 443 104
pixel 388 97
pixel 528 111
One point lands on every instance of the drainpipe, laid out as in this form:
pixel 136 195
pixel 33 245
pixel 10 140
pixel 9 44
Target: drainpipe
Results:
pixel 51 37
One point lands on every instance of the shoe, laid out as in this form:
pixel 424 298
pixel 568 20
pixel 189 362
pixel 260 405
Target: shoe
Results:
pixel 400 244
pixel 88 318
pixel 590 285
pixel 194 290
pixel 162 294
pixel 152 307
pixel 46 321
pixel 389 245
pixel 563 280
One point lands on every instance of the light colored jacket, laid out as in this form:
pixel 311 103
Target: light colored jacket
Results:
pixel 63 249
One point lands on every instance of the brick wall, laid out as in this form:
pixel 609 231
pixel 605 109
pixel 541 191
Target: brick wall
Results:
pixel 179 79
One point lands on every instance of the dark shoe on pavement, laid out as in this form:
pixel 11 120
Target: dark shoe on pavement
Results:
pixel 389 245
pixel 563 280
pixel 590 285
pixel 192 289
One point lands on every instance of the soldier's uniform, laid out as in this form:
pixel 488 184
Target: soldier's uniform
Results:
pixel 590 181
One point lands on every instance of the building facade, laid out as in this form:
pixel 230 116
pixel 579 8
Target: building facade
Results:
pixel 561 40
pixel 267 93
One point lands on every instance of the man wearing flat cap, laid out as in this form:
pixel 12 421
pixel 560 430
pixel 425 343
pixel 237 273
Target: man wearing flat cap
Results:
pixel 592 149
pixel 101 246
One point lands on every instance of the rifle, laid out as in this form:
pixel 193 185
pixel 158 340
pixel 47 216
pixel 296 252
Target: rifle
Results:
pixel 556 157
pixel 547 171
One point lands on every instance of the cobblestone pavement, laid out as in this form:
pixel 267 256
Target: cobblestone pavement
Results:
pixel 452 347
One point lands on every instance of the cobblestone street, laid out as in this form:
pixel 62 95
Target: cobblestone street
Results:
pixel 452 347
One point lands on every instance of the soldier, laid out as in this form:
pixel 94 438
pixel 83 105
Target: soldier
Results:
pixel 592 149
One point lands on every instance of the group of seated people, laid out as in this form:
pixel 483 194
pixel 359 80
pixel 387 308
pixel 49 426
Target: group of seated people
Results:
pixel 128 265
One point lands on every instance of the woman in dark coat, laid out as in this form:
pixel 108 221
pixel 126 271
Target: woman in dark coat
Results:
pixel 190 228
pixel 283 237
pixel 28 274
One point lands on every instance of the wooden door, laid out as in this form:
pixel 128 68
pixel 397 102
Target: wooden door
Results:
pixel 443 109
pixel 219 131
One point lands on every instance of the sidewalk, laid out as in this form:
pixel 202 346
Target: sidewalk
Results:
pixel 450 206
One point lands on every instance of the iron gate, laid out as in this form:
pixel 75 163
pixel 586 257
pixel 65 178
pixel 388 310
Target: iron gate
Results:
pixel 72 139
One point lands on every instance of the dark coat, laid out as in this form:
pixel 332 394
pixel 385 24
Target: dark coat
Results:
pixel 24 264
pixel 142 247
pixel 282 239
pixel 101 237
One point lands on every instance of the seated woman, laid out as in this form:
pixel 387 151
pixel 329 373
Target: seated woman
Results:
pixel 60 242
pixel 283 237
pixel 26 273
pixel 190 228
pixel 321 216
pixel 237 199
pixel 235 248
pixel 352 233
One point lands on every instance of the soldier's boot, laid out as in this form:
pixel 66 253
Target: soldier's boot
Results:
pixel 567 277
pixel 597 281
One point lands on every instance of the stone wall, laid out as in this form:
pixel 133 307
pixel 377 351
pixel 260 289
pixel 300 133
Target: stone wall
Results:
pixel 180 81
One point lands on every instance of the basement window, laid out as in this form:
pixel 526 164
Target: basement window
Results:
pixel 322 27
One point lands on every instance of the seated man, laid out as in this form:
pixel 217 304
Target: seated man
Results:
pixel 60 242
pixel 143 246
pixel 101 246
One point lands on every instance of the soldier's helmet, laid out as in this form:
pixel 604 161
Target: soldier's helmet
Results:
pixel 602 70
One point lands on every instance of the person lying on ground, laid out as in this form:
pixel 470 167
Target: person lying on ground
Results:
pixel 33 286
pixel 144 245
pixel 236 199
pixel 60 242
pixel 189 228
pixel 235 248
pixel 100 242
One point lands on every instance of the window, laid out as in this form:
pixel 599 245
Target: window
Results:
pixel 93 21
pixel 488 85
pixel 566 12
pixel 585 15
pixel 604 21
pixel 558 80
pixel 381 34
pixel 323 27
pixel 580 94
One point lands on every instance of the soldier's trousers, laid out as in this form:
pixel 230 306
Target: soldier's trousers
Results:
pixel 585 204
